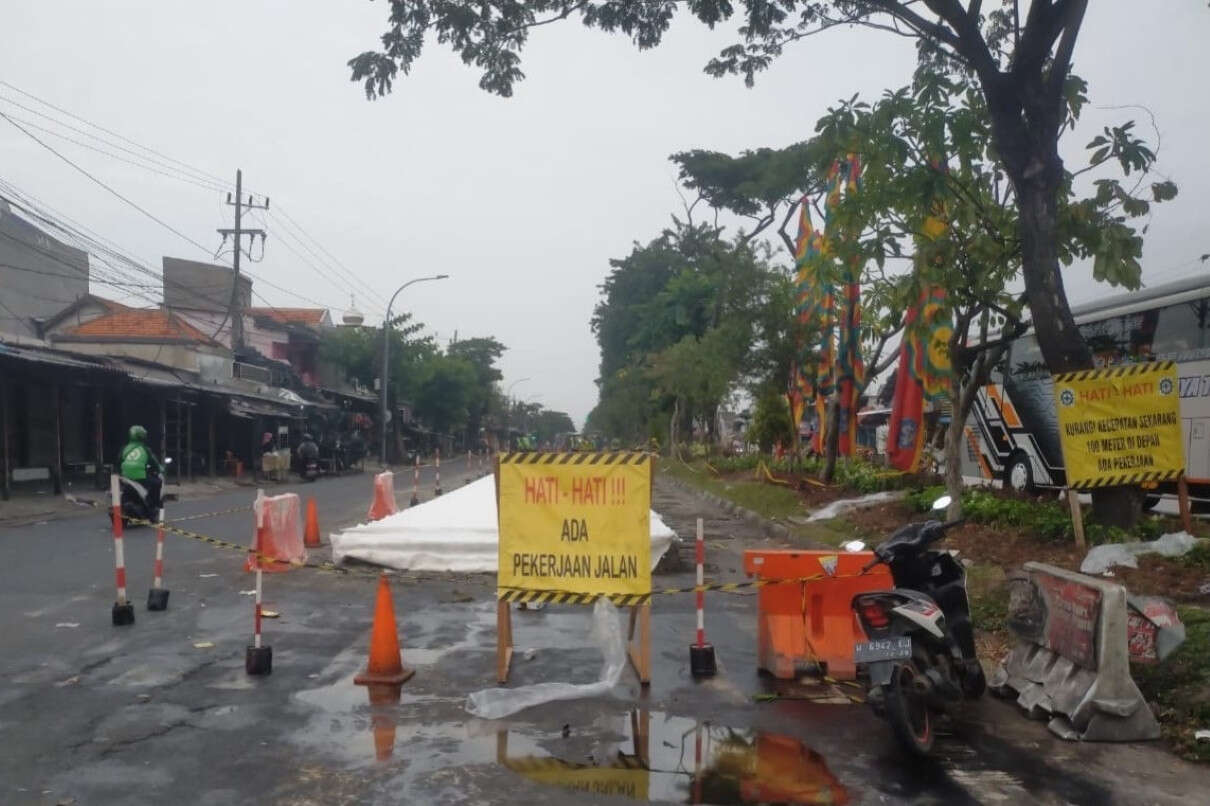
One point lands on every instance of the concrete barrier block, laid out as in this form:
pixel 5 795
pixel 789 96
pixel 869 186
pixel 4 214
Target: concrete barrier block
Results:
pixel 1071 663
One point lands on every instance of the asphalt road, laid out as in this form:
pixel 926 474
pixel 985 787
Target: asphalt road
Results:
pixel 162 711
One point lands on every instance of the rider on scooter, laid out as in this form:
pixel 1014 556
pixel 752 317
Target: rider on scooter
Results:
pixel 308 451
pixel 136 458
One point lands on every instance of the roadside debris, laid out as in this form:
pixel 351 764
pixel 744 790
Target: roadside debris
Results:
pixel 838 508
pixel 71 625
pixel 203 644
pixel 1101 558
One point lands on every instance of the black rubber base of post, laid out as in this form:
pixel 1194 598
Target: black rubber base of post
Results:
pixel 437 491
pixel 157 599
pixel 701 660
pixel 259 661
pixel 123 614
pixel 415 500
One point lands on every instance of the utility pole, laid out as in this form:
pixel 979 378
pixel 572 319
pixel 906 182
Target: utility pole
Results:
pixel 238 233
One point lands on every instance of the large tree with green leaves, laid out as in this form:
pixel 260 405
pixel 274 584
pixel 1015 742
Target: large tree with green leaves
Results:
pixel 482 354
pixel 678 319
pixel 935 197
pixel 1021 63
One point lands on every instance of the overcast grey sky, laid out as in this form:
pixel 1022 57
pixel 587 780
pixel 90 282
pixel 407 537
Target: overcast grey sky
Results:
pixel 523 200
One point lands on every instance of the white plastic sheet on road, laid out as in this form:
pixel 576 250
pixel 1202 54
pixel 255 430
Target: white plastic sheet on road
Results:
pixel 453 532
pixel 496 703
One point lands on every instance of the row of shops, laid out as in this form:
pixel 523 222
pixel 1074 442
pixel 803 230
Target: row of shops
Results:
pixel 64 417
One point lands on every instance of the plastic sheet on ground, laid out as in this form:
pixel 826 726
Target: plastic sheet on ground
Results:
pixel 495 703
pixel 838 508
pixel 456 532
pixel 1101 558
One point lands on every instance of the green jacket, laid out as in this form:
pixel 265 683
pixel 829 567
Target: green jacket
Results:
pixel 134 461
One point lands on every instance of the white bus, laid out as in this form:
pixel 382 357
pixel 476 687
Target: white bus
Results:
pixel 1012 433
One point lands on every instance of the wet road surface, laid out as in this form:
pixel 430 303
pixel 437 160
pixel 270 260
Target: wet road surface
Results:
pixel 163 711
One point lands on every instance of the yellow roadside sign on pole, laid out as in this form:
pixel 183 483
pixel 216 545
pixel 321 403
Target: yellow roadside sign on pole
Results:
pixel 575 522
pixel 1120 425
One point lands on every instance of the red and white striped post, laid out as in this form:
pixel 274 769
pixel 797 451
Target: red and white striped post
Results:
pixel 157 597
pixel 258 660
pixel 416 482
pixel 701 654
pixel 469 467
pixel 437 467
pixel 123 610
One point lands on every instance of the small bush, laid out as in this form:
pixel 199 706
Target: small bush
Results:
pixel 1046 520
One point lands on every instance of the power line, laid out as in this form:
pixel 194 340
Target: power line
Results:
pixel 177 176
pixel 286 243
pixel 74 116
pixel 374 293
pixel 162 223
pixel 221 184
pixel 127 201
pixel 191 174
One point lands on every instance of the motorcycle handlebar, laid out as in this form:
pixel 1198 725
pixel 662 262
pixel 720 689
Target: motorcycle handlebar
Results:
pixel 871 563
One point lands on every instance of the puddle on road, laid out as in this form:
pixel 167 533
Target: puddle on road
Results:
pixel 667 758
pixel 638 754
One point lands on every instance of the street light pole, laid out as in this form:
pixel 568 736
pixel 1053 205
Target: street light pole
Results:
pixel 386 350
pixel 508 407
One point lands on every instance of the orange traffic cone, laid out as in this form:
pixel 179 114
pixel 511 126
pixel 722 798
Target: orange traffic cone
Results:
pixel 311 535
pixel 386 665
pixel 382 718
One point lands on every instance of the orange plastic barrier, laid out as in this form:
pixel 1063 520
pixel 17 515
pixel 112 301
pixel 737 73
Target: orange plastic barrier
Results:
pixel 383 503
pixel 278 533
pixel 801 626
pixel 786 771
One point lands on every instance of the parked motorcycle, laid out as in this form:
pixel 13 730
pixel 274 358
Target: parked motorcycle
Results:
pixel 134 496
pixel 308 469
pixel 920 660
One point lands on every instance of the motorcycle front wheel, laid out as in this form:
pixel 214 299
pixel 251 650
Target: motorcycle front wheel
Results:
pixel 906 710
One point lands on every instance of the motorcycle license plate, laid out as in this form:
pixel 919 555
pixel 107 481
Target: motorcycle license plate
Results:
pixel 897 648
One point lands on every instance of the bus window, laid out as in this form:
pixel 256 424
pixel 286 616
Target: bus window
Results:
pixel 1121 339
pixel 1183 331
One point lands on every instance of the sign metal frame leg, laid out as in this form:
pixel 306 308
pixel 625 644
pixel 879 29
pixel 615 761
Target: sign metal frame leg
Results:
pixel 504 640
pixel 640 656
pixel 638 653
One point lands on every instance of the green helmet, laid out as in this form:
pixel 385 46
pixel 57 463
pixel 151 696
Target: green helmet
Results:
pixel 138 433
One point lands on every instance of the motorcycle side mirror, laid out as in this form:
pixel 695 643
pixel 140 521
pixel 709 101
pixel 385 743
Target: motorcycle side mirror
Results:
pixel 942 503
pixel 167 460
pixel 854 546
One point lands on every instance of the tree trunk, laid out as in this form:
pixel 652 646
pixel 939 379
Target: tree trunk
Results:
pixel 1058 337
pixel 953 455
pixel 1117 506
pixel 672 426
pixel 831 440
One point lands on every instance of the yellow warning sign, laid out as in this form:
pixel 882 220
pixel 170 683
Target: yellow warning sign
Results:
pixel 614 781
pixel 575 522
pixel 1120 425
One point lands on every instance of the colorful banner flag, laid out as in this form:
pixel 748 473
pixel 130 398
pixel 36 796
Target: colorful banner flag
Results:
pixel 923 373
pixel 830 362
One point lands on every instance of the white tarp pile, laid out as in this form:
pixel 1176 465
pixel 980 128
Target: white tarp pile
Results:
pixel 454 532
